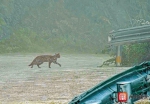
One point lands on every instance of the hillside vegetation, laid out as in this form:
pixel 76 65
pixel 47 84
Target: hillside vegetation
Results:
pixel 80 26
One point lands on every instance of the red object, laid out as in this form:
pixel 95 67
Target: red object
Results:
pixel 122 97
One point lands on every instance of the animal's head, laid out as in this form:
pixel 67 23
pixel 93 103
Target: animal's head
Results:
pixel 57 55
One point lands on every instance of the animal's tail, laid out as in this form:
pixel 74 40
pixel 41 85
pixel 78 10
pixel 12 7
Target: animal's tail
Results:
pixel 30 64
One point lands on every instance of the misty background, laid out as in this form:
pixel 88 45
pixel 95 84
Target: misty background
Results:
pixel 71 26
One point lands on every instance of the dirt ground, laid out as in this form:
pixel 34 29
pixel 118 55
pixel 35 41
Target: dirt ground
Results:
pixel 57 85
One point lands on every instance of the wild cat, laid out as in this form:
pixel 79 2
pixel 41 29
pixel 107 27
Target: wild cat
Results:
pixel 45 58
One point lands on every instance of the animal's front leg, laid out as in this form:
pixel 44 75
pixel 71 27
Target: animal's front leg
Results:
pixel 50 64
pixel 57 63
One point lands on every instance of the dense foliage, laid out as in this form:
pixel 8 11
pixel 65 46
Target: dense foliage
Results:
pixel 68 25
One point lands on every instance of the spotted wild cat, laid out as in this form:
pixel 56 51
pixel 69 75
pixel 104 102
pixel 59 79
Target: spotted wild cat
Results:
pixel 45 58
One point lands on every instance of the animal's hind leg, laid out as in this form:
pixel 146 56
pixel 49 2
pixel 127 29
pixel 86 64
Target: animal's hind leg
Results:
pixel 38 66
pixel 31 66
pixel 39 63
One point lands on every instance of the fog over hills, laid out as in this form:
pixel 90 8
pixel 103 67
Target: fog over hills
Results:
pixel 66 25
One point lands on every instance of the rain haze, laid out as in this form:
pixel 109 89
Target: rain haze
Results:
pixel 78 30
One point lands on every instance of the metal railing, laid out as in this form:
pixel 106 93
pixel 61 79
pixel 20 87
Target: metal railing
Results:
pixel 129 35
pixel 126 36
